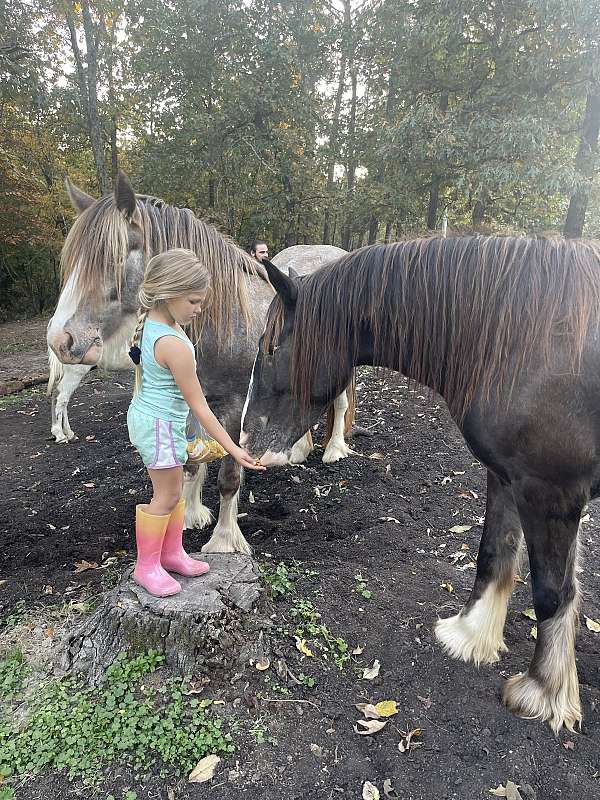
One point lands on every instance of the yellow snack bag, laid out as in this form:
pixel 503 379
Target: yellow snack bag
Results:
pixel 201 449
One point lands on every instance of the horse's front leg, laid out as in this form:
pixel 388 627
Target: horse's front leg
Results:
pixel 227 536
pixel 549 690
pixel 476 633
pixel 70 378
pixel 337 448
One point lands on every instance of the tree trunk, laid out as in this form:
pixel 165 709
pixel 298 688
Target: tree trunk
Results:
pixel 388 233
pixel 351 168
pixel 436 181
pixel 210 626
pixel 333 145
pixel 584 163
pixel 92 86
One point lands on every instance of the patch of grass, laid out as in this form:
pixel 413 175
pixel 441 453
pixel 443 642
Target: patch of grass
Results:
pixel 13 670
pixel 310 627
pixel 10 400
pixel 128 719
pixel 260 734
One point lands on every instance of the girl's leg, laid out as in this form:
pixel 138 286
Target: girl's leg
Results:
pixel 152 521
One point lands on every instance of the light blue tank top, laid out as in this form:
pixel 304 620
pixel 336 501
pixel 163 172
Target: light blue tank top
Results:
pixel 159 396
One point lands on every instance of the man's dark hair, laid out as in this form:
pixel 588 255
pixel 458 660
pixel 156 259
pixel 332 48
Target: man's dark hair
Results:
pixel 254 245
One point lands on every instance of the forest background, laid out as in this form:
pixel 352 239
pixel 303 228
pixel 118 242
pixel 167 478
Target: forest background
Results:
pixel 301 121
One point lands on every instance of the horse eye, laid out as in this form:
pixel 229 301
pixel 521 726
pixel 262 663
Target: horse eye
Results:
pixel 273 349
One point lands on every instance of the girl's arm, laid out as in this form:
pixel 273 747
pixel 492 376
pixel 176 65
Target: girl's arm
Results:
pixel 174 354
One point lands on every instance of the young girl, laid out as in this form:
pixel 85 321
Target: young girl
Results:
pixel 175 286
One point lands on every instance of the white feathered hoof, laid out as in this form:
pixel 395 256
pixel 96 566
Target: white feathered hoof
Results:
pixel 465 641
pixel 335 451
pixel 197 515
pixel 526 697
pixel 227 540
pixel 301 451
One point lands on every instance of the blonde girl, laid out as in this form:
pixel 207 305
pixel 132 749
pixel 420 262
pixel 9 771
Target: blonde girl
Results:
pixel 175 286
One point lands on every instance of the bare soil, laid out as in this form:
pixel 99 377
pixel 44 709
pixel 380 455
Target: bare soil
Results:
pixel 384 514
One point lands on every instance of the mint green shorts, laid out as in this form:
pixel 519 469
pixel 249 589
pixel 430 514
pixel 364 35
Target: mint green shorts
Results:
pixel 160 442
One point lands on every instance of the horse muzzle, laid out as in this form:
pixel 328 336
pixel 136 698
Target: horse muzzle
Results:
pixel 69 350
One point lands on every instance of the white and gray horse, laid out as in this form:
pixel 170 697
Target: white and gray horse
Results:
pixel 103 262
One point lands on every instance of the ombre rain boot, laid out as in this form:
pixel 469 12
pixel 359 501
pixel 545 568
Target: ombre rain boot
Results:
pixel 149 535
pixel 173 556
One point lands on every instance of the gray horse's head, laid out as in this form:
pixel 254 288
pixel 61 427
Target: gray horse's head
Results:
pixel 103 265
pixel 275 415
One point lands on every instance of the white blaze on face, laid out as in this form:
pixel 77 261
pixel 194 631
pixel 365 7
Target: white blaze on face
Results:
pixel 65 309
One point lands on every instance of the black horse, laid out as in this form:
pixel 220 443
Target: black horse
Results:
pixel 507 331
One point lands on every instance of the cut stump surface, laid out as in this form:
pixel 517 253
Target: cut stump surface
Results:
pixel 212 626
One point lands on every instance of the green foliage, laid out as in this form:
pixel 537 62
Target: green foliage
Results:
pixel 361 587
pixel 13 670
pixel 6 793
pixel 319 635
pixel 129 718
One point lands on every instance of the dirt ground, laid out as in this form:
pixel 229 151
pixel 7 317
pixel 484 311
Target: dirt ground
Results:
pixel 386 515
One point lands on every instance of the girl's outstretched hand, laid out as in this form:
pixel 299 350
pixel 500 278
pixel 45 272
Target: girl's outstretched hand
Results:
pixel 245 460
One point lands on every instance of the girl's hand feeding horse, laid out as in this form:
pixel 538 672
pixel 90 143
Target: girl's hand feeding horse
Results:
pixel 175 286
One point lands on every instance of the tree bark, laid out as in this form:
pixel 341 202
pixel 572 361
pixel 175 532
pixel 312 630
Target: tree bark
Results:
pixel 211 626
pixel 351 168
pixel 92 94
pixel 584 163
pixel 333 144
pixel 436 181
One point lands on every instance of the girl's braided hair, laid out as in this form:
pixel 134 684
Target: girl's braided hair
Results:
pixel 168 275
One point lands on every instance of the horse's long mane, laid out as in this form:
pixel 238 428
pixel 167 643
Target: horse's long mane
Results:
pixel 461 315
pixel 97 245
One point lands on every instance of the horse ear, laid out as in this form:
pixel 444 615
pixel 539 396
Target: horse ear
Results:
pixel 293 274
pixel 284 286
pixel 124 195
pixel 80 200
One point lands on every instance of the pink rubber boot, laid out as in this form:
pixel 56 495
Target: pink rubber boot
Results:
pixel 173 556
pixel 149 535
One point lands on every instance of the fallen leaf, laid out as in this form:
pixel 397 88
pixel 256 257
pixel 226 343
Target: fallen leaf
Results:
pixel 296 479
pixel 377 456
pixel 387 708
pixel 469 494
pixel 82 566
pixel 388 789
pixel 459 528
pixel 389 519
pixel 52 527
pixel 358 650
pixel 405 744
pixel 90 438
pixel 569 745
pixel 370 726
pixel 529 613
pixel 533 632
pixel 89 485
pixel 510 791
pixel 448 587
pixel 250 497
pixel 370 791
pixel 204 769
pixel 48 589
pixel 263 664
pixel 427 701
pixel 445 481
pixel 592 625
pixel 3 582
pixel 371 672
pixel 302 646
pixel 368 710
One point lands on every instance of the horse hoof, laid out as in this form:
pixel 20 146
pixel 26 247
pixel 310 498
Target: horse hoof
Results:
pixel 466 642
pixel 526 697
pixel 225 540
pixel 336 453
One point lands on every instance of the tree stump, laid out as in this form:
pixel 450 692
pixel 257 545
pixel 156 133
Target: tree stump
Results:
pixel 212 626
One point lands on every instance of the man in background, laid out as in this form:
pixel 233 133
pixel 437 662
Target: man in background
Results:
pixel 259 250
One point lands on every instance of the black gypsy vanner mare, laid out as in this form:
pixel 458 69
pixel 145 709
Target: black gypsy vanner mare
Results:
pixel 507 331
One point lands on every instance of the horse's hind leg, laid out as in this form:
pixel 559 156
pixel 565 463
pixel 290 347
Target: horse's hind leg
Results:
pixel 476 633
pixel 227 536
pixel 337 448
pixel 197 515
pixel 72 376
pixel 549 690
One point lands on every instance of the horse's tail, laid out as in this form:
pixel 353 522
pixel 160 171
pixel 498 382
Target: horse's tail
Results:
pixel 57 371
pixel 350 415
